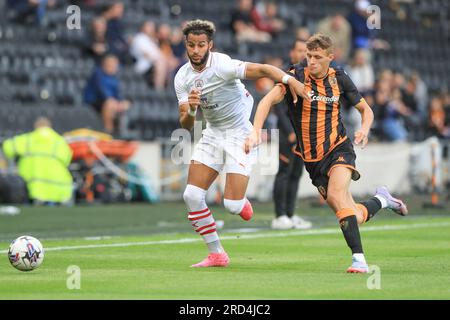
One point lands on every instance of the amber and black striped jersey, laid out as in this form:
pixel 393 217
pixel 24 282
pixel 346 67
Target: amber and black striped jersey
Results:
pixel 317 123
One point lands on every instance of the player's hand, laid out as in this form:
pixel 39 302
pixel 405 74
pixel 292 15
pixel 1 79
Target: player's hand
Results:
pixel 292 137
pixel 297 89
pixel 194 99
pixel 252 141
pixel 361 138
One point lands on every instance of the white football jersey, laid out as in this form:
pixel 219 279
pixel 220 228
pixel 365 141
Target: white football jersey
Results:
pixel 225 102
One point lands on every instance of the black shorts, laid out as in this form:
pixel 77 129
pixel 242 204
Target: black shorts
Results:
pixel 343 155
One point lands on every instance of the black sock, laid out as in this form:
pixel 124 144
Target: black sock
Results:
pixel 373 205
pixel 349 227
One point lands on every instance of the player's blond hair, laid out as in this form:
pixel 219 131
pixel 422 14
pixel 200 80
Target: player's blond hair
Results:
pixel 319 40
pixel 198 27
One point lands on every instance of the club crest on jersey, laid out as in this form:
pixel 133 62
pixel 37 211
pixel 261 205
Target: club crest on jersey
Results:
pixel 332 80
pixel 198 84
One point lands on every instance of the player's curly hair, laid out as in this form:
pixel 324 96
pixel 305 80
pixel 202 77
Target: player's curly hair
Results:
pixel 319 40
pixel 198 27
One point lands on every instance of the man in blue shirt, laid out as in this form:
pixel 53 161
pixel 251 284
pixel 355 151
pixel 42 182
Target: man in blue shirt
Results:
pixel 103 92
pixel 361 34
pixel 115 38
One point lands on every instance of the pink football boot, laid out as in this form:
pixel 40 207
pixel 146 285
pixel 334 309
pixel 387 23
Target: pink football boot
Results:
pixel 214 260
pixel 247 211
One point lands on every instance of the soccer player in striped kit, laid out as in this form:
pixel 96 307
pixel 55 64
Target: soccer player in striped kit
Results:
pixel 211 81
pixel 322 141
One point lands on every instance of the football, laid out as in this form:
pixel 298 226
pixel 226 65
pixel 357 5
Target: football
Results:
pixel 26 253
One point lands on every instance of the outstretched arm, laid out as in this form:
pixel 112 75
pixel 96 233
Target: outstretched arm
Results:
pixel 274 97
pixel 255 71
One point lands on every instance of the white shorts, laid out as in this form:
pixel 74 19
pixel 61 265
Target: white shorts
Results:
pixel 224 150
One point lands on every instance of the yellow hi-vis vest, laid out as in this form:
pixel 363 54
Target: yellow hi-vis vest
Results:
pixel 44 157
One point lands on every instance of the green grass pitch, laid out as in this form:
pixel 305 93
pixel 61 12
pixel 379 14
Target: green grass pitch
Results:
pixel 144 252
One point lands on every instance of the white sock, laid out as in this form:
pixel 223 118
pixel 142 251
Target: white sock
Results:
pixel 201 217
pixel 215 247
pixel 359 257
pixel 383 201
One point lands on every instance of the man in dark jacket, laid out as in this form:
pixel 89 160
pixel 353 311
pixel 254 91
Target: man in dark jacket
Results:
pixel 102 92
pixel 290 165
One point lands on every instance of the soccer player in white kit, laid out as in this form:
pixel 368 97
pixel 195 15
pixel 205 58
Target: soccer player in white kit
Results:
pixel 211 80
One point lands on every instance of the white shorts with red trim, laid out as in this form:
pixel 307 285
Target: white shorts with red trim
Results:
pixel 224 150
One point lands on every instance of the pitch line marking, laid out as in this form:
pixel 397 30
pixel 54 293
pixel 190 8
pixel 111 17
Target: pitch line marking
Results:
pixel 250 236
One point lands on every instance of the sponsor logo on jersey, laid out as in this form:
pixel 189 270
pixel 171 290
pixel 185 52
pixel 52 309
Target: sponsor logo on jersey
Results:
pixel 209 107
pixel 204 103
pixel 322 98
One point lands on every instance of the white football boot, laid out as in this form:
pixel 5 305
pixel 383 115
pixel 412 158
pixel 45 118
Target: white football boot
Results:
pixel 300 223
pixel 282 223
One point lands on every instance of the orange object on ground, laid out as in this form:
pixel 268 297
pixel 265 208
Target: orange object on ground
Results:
pixel 89 150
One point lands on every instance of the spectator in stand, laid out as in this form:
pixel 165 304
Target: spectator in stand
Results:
pixel 380 100
pixel 362 36
pixel 420 94
pixel 178 46
pixel 340 31
pixel 416 118
pixel 242 24
pixel 393 112
pixel 95 43
pixel 439 124
pixel 398 81
pixel 302 34
pixel 362 74
pixel 164 36
pixel 117 43
pixel 361 71
pixel 386 75
pixel 102 92
pixel 445 97
pixel 29 11
pixel 265 18
pixel 339 59
pixel 150 61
